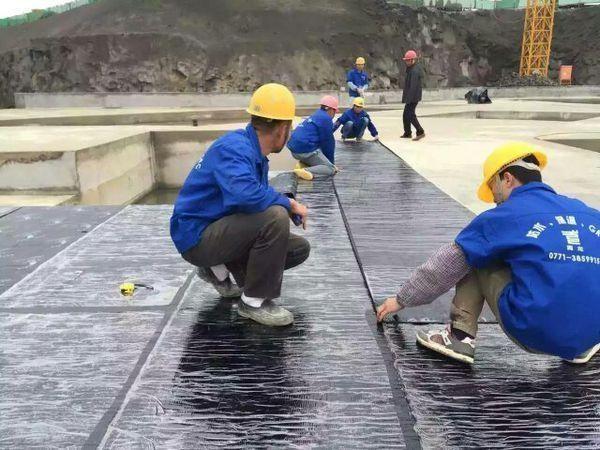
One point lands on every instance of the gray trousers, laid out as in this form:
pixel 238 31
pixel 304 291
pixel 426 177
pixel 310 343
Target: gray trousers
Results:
pixel 255 248
pixel 317 163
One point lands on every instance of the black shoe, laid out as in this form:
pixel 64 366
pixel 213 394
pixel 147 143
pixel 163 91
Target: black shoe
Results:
pixel 406 136
pixel 419 136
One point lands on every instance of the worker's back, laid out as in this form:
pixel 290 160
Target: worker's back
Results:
pixel 552 245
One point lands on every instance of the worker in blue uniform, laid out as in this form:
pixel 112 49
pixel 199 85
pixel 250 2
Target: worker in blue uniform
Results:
pixel 357 79
pixel 355 121
pixel 312 142
pixel 228 220
pixel 534 258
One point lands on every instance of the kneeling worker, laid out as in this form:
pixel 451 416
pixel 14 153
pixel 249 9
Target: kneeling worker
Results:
pixel 535 260
pixel 312 142
pixel 228 219
pixel 355 121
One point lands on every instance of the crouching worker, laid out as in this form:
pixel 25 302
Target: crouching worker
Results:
pixel 534 258
pixel 312 142
pixel 355 121
pixel 227 219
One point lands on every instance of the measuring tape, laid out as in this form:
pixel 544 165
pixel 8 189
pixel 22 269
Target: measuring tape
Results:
pixel 127 289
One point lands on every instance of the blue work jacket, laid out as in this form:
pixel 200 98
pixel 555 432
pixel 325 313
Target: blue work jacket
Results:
pixel 316 132
pixel 551 244
pixel 231 178
pixel 349 114
pixel 359 79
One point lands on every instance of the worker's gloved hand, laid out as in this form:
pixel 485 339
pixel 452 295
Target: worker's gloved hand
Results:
pixel 376 138
pixel 300 210
pixel 389 306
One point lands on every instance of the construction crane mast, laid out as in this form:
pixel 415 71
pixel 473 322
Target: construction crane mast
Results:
pixel 537 37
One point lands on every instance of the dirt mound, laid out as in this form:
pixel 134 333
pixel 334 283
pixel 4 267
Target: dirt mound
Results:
pixel 235 45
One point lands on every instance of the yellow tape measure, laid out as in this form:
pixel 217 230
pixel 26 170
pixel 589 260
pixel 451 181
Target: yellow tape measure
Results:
pixel 127 289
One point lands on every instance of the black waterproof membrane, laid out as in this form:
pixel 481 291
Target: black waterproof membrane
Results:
pixel 508 399
pixel 217 380
pixel 398 219
pixel 31 235
pixel 176 367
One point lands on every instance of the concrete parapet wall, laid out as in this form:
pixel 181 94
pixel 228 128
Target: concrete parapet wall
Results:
pixel 207 100
pixel 177 151
pixel 159 99
pixel 118 172
pixel 52 171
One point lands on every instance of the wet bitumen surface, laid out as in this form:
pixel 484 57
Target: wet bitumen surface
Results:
pixel 397 219
pixel 31 235
pixel 232 383
pixel 176 367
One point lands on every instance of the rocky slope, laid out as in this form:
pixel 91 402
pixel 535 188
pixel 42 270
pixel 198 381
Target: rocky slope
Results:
pixel 234 45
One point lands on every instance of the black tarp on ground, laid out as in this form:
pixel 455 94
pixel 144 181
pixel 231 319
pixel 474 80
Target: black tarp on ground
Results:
pixel 398 219
pixel 218 380
pixel 70 343
pixel 509 398
pixel 209 378
pixel 31 235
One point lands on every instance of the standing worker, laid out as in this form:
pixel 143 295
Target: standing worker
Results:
pixel 411 95
pixel 355 121
pixel 228 219
pixel 312 142
pixel 535 260
pixel 358 79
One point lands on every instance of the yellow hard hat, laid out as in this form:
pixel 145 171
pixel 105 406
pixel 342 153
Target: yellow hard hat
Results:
pixel 273 101
pixel 359 101
pixel 502 157
pixel 360 60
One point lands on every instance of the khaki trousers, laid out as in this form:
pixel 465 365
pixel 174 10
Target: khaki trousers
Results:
pixel 478 287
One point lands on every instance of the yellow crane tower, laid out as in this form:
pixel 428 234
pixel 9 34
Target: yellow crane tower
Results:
pixel 537 37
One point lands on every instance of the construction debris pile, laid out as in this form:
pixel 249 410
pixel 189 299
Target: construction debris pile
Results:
pixel 514 80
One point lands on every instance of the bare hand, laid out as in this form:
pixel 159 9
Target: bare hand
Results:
pixel 390 306
pixel 299 209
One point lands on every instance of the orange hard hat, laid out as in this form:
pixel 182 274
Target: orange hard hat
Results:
pixel 331 102
pixel 411 54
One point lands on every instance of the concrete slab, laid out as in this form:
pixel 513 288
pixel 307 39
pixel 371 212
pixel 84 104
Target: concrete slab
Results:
pixel 588 141
pixel 303 98
pixel 59 139
pixel 452 154
pixel 102 165
pixel 10 200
